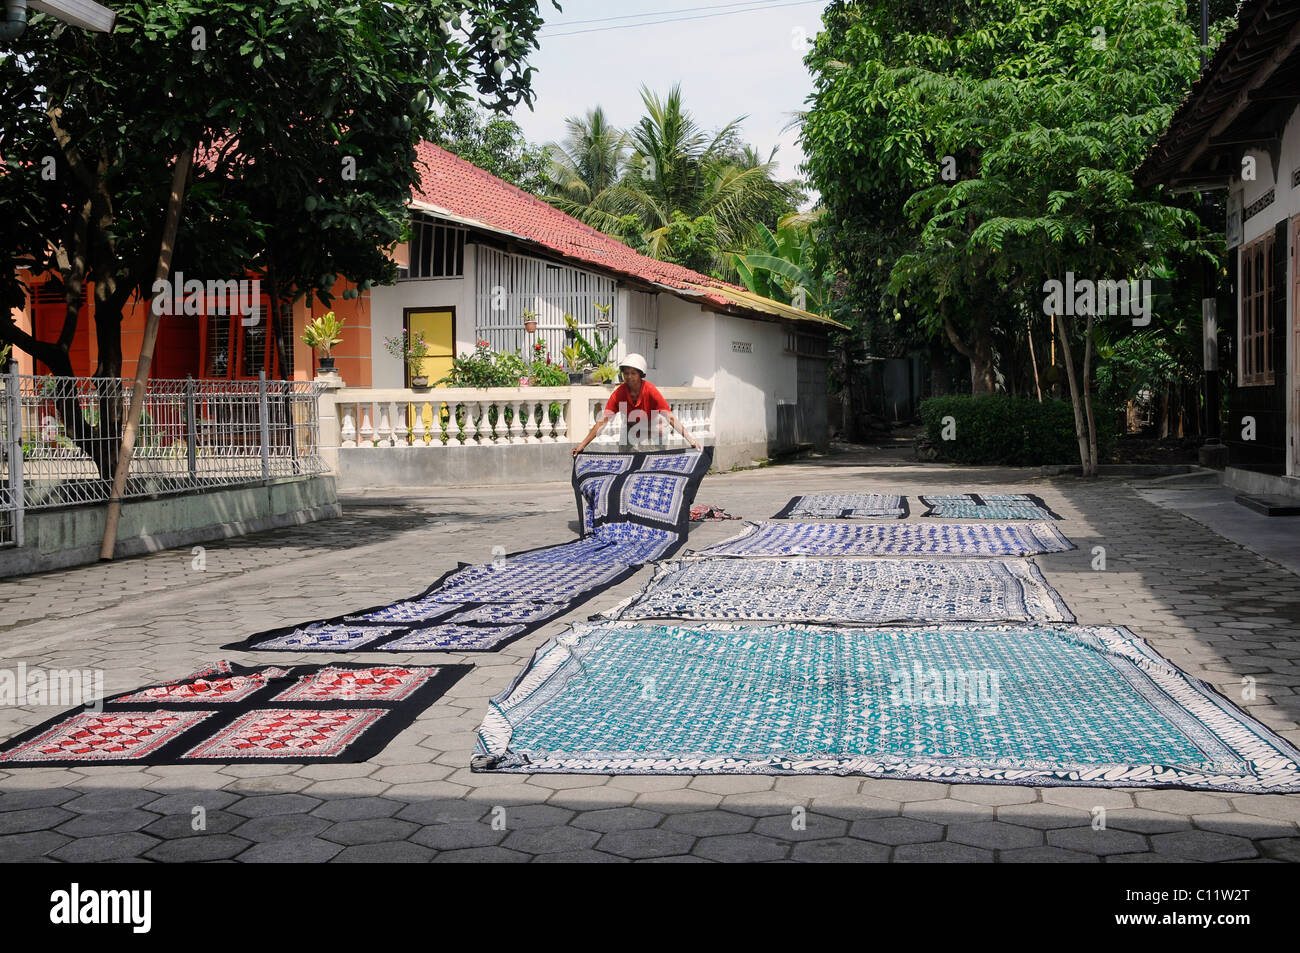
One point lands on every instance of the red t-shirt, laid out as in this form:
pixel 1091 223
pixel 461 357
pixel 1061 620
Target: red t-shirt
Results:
pixel 649 400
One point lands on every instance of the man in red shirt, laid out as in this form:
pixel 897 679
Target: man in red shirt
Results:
pixel 639 400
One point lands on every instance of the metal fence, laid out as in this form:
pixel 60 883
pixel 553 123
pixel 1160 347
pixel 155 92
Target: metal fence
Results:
pixel 62 438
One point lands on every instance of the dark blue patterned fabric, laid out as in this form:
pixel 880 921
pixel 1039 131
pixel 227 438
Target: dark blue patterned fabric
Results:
pixel 635 509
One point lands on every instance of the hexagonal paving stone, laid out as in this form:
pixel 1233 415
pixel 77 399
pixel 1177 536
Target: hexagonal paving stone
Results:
pixel 745 848
pixel 527 816
pixel 458 835
pixel 941 852
pixel 994 835
pixel 708 823
pixel 690 800
pixel 89 850
pixel 1043 816
pixel 1103 842
pixel 373 830
pixel 281 827
pixel 1045 855
pixel 197 849
pixel 548 840
pixel 293 851
pixel 802 827
pixel 1284 849
pixel 1183 802
pixel 756 804
pixel 993 794
pixel 949 811
pixel 482 855
pixel 1203 845
pixel 645 843
pixel 642 783
pixel 185 803
pixel 35 819
pixel 1245 825
pixel 579 857
pixel 839 850
pixel 1283 807
pixel 110 800
pixel 889 789
pixel 896 830
pixel 1146 822
pixel 443 812
pixel 262 805
pixel 390 852
pixel 345 787
pixel 37 797
pixel 183 825
pixel 591 798
pixel 358 808
pixel 617 819
pixel 20 848
pixel 731 783
pixel 855 807
pixel 274 784
pixel 1085 799
pixel 107 822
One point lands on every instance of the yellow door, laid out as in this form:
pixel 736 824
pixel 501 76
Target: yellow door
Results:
pixel 439 327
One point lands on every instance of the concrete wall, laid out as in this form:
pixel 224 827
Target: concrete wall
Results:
pixel 59 538
pixel 427 468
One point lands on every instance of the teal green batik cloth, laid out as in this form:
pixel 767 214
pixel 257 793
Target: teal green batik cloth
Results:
pixel 1008 704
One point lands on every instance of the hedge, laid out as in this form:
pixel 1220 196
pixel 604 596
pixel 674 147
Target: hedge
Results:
pixel 1011 431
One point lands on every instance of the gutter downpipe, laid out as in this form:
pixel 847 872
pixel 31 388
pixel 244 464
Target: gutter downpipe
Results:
pixel 15 21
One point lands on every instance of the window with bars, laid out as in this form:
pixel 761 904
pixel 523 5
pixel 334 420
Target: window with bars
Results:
pixel 435 251
pixel 1255 348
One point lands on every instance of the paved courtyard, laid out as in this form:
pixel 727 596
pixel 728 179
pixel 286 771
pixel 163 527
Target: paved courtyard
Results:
pixel 1220 611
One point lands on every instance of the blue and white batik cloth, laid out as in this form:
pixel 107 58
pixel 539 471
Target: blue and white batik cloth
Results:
pixel 635 509
pixel 891 539
pixel 862 591
pixel 844 506
pixel 988 506
pixel 1026 704
pixel 647 488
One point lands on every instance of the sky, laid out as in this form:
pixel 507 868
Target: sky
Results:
pixel 746 62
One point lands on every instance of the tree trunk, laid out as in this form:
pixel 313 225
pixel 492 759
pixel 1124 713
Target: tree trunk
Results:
pixel 1087 399
pixel 981 365
pixel 1033 360
pixel 1076 402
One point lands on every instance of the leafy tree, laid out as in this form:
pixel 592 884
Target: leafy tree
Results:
pixel 585 170
pixel 1044 112
pixel 271 102
pixel 494 143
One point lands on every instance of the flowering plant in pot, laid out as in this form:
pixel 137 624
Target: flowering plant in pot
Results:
pixel 411 350
pixel 323 335
pixel 530 321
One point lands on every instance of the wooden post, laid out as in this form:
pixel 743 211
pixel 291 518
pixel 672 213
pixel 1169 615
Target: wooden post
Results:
pixel 179 175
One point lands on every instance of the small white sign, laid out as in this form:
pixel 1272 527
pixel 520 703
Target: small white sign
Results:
pixel 742 347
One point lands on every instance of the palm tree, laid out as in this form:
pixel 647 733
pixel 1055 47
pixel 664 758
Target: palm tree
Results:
pixel 586 167
pixel 683 181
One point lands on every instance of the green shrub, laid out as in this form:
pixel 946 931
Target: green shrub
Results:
pixel 1010 431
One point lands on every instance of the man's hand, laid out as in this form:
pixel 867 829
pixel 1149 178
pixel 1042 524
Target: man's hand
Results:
pixel 577 450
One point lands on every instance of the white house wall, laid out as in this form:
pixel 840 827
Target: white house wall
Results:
pixel 1285 206
pixel 389 302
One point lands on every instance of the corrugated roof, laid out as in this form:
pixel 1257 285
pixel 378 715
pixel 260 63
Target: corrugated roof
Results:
pixel 461 192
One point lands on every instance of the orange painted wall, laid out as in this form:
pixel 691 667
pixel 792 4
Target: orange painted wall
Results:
pixel 176 352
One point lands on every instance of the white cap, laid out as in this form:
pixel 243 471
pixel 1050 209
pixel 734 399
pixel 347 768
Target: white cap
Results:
pixel 634 361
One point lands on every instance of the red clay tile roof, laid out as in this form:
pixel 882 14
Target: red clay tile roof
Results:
pixel 450 184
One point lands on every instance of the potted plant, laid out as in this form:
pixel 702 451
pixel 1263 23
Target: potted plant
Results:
pixel 570 328
pixel 411 350
pixel 573 362
pixel 605 374
pixel 530 321
pixel 323 335
pixel 603 322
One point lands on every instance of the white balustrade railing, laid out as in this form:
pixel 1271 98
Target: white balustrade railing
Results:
pixel 503 416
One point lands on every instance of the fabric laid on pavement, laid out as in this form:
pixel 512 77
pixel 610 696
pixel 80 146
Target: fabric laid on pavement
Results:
pixel 1026 704
pixel 891 539
pixel 861 591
